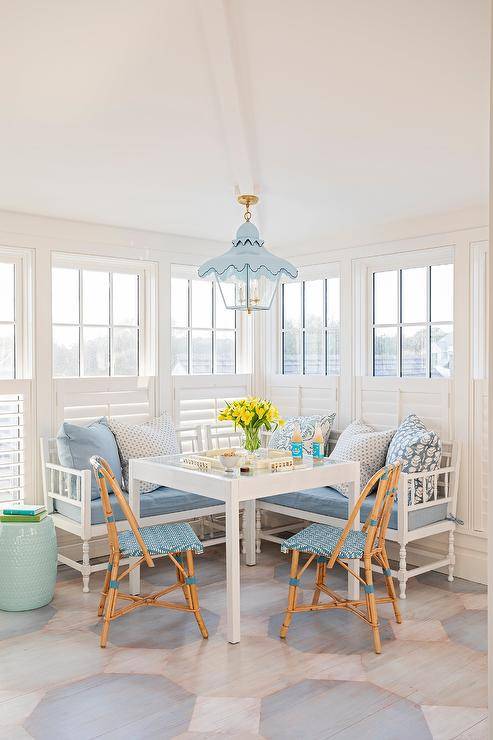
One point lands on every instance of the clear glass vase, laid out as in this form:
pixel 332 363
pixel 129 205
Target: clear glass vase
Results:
pixel 252 439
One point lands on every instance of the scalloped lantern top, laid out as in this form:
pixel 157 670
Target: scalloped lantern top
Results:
pixel 248 251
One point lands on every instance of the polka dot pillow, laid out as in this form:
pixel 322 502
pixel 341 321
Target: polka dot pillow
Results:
pixel 153 438
pixel 363 443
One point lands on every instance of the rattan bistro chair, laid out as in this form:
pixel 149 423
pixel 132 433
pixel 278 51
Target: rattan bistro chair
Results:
pixel 171 540
pixel 330 545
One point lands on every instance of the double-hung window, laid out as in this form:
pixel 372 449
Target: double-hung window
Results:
pixel 412 321
pixel 203 331
pixel 310 327
pixel 97 315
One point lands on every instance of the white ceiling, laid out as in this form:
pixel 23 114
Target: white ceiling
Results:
pixel 147 114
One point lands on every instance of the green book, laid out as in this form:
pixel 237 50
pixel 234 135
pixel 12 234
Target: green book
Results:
pixel 21 518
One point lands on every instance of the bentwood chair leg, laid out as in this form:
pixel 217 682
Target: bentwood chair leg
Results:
pixel 391 589
pixel 194 595
pixel 372 607
pixel 319 580
pixel 181 578
pixel 293 589
pixel 104 593
pixel 110 604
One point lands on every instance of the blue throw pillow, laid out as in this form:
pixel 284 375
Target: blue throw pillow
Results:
pixel 419 450
pixel 77 444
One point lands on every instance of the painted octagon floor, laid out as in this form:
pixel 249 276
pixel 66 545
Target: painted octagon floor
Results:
pixel 158 679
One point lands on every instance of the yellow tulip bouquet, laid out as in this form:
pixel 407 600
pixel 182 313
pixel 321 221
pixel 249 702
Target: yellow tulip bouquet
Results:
pixel 252 414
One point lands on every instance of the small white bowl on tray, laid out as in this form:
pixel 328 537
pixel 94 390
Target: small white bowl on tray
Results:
pixel 232 459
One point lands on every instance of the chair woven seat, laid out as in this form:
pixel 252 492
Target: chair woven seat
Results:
pixel 160 539
pixel 321 539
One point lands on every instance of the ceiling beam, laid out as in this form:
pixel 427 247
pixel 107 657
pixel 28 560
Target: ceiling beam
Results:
pixel 224 62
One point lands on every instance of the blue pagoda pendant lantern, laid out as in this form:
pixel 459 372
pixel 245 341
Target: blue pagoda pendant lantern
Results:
pixel 247 274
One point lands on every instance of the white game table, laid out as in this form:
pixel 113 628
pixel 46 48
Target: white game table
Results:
pixel 234 489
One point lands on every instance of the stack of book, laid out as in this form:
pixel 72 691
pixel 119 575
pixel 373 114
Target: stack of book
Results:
pixel 23 513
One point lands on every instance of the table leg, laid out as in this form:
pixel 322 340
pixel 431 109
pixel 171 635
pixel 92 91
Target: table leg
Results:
pixel 134 501
pixel 249 532
pixel 233 567
pixel 353 584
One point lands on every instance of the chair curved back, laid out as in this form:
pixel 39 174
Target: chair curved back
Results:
pixel 377 521
pixel 104 476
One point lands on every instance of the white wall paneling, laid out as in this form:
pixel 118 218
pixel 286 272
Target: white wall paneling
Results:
pixel 479 478
pixel 479 451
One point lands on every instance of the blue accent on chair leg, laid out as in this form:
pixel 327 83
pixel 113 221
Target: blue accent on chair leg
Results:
pixel 387 572
pixel 294 581
pixel 110 518
pixel 369 589
pixel 373 522
pixel 110 567
pixel 321 559
pixel 190 579
pixel 114 584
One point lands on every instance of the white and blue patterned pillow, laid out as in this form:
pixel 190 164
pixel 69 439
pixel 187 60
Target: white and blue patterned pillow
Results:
pixel 362 443
pixel 151 439
pixel 419 449
pixel 281 438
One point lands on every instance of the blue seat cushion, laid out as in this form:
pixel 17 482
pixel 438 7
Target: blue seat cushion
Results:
pixel 161 501
pixel 321 539
pixel 160 539
pixel 327 501
pixel 77 444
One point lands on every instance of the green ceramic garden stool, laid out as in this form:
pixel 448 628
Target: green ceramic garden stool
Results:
pixel 28 563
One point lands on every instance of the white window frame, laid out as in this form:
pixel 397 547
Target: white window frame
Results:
pixel 363 285
pixel 22 261
pixel 21 384
pixel 479 309
pixel 307 273
pixel 241 330
pixel 147 321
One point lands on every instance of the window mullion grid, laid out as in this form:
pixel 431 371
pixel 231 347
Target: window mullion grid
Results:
pixel 373 332
pixel 189 332
pixel 14 323
pixel 303 330
pixel 428 316
pixel 399 318
pixel 110 326
pixel 326 340
pixel 213 332
pixel 282 330
pixel 81 323
pixel 138 327
pixel 235 337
